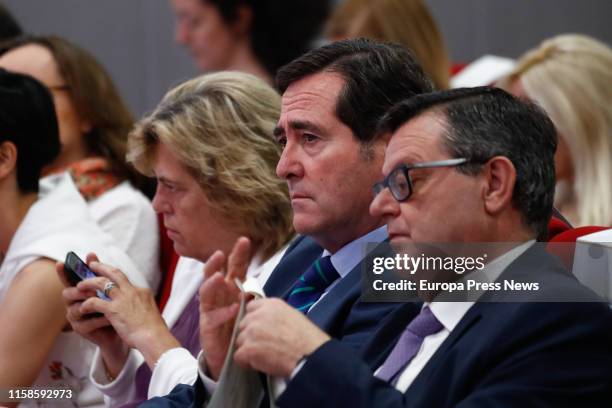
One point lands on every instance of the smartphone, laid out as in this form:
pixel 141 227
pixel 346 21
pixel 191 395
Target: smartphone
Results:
pixel 76 270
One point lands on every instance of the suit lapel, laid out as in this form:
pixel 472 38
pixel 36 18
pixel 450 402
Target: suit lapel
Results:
pixel 523 266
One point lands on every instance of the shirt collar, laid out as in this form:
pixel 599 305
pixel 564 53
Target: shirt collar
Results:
pixel 349 256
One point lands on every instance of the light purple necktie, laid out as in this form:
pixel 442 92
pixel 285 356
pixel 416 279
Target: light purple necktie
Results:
pixel 423 325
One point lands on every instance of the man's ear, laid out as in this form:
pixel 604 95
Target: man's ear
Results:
pixel 386 138
pixel 500 177
pixel 244 20
pixel 8 158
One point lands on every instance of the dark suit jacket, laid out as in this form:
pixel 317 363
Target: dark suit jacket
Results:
pixel 340 313
pixel 499 355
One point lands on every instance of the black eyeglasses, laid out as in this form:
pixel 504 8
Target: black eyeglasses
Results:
pixel 399 181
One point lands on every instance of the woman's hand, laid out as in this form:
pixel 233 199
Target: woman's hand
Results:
pixel 94 327
pixel 131 311
pixel 219 303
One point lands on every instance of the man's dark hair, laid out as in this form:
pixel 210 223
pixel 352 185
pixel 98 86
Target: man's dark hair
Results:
pixel 377 75
pixel 9 27
pixel 280 30
pixel 485 122
pixel 27 119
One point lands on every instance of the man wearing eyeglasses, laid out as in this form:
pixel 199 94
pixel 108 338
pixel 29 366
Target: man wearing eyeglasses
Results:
pixel 467 165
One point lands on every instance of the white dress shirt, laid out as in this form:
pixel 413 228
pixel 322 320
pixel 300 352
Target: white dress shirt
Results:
pixel 450 314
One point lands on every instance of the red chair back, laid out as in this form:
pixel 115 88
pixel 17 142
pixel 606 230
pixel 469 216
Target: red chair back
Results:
pixel 168 261
pixel 566 252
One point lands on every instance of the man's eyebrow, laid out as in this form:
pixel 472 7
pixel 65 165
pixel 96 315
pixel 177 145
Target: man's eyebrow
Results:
pixel 298 125
pixel 305 125
pixel 404 161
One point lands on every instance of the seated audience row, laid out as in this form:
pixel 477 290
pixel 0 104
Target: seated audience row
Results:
pixel 494 154
pixel 463 166
pixel 181 122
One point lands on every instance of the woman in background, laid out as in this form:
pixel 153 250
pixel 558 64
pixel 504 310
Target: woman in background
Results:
pixel 210 145
pixel 93 124
pixel 570 76
pixel 9 27
pixel 253 36
pixel 37 230
pixel 405 22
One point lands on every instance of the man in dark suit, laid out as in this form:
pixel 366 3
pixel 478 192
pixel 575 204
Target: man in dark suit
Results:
pixel 468 165
pixel 331 156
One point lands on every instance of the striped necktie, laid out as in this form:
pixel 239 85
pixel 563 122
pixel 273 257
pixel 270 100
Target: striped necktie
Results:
pixel 312 284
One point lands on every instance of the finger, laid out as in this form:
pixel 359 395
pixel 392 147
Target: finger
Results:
pixel 241 339
pixel 212 292
pixel 92 284
pixel 73 313
pixel 59 268
pixel 256 304
pixel 88 325
pixel 221 316
pixel 214 264
pixel 94 305
pixel 244 324
pixel 241 358
pixel 111 273
pixel 91 257
pixel 239 259
pixel 247 297
pixel 72 295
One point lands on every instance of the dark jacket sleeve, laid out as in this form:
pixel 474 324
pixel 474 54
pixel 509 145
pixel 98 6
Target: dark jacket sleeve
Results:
pixel 182 395
pixel 551 362
pixel 334 376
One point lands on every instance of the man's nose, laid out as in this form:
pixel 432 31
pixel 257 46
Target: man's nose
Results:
pixel 384 205
pixel 289 165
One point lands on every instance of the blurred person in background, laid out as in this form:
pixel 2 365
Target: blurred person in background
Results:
pixel 405 22
pixel 93 125
pixel 256 37
pixel 210 145
pixel 9 27
pixel 38 228
pixel 570 76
